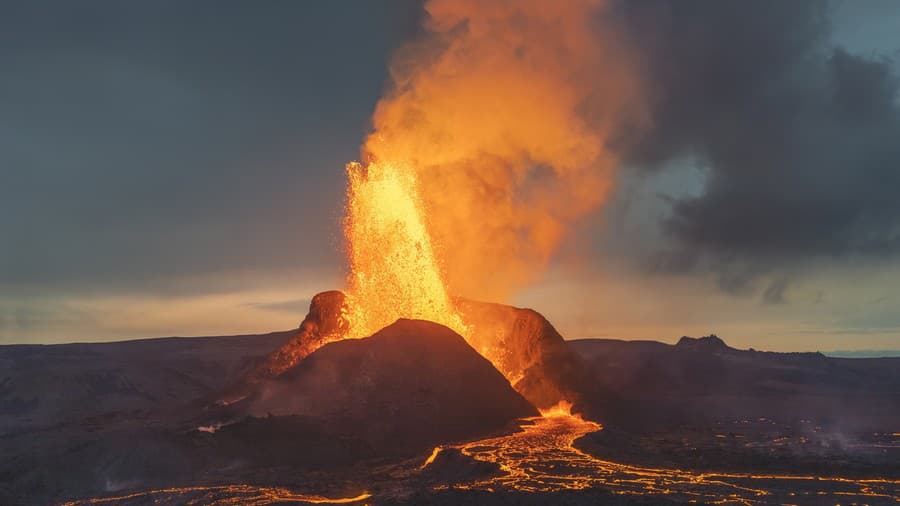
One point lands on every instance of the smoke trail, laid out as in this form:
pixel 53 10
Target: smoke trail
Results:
pixel 504 110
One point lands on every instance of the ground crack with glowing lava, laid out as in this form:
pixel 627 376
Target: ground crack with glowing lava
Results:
pixel 542 458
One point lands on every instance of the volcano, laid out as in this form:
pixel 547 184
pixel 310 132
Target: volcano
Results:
pixel 417 414
pixel 521 343
pixel 413 384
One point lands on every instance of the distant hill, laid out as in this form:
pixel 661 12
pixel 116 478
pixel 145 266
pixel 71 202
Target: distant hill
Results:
pixel 862 353
pixel 86 419
pixel 535 357
pixel 42 385
pixel 696 380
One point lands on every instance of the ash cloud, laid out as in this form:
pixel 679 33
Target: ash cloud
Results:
pixel 801 139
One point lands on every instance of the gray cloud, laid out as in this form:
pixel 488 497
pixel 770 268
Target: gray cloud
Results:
pixel 141 142
pixel 774 293
pixel 800 138
pixel 152 154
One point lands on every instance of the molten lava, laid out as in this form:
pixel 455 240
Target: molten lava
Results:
pixel 543 457
pixel 489 145
pixel 562 408
pixel 394 271
pixel 221 495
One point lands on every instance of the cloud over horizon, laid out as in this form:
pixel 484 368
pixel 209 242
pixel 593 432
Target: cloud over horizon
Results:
pixel 183 154
pixel 797 137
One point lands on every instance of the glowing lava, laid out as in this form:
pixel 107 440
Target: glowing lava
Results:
pixel 222 495
pixel 562 408
pixel 489 146
pixel 542 458
pixel 394 270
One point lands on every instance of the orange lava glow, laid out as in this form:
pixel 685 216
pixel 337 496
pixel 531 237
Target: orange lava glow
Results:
pixel 223 495
pixel 487 148
pixel 430 459
pixel 562 408
pixel 543 458
pixel 503 110
pixel 394 271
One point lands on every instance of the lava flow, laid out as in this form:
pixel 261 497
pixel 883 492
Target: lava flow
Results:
pixel 542 458
pixel 222 495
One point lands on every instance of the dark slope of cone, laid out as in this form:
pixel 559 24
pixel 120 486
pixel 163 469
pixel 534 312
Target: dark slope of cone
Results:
pixel 543 368
pixel 546 370
pixel 322 325
pixel 412 384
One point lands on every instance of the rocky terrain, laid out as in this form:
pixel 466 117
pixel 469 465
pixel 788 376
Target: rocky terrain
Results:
pixel 229 418
pixel 412 385
pixel 704 405
pixel 704 379
pixel 42 386
pixel 100 418
pixel 526 347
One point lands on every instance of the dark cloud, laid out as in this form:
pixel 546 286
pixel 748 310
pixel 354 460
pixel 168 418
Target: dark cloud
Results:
pixel 146 141
pixel 774 293
pixel 800 140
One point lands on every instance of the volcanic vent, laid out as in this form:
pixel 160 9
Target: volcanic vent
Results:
pixel 410 386
pixel 480 159
pixel 413 383
pixel 520 343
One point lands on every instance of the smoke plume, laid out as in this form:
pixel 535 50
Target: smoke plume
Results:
pixel 505 110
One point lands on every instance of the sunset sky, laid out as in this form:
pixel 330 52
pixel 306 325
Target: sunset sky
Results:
pixel 172 168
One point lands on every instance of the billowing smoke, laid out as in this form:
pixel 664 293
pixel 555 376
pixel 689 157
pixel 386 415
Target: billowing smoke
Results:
pixel 505 111
pixel 797 137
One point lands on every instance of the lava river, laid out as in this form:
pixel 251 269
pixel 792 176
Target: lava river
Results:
pixel 542 458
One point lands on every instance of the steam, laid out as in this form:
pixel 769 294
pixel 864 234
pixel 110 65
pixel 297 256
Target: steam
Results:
pixel 504 111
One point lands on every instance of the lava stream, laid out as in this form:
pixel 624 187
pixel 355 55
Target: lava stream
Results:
pixel 542 458
pixel 222 495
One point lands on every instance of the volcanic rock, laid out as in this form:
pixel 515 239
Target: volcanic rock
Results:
pixel 545 371
pixel 702 381
pixel 707 343
pixel 412 385
pixel 47 385
pixel 522 343
pixel 323 324
pixel 451 466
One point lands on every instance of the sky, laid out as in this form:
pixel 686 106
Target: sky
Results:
pixel 172 168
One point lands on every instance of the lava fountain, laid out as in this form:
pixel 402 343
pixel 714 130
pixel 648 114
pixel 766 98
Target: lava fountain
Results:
pixel 394 272
pixel 489 144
